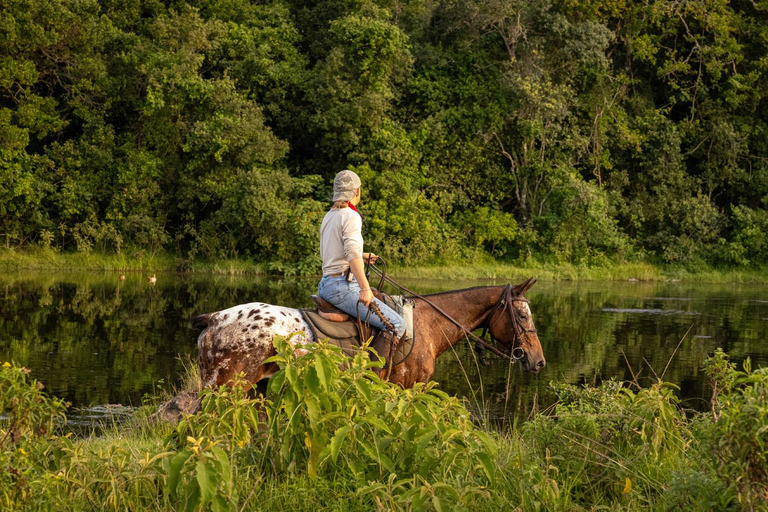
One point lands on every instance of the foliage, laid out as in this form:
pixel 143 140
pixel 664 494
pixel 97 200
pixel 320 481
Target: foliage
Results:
pixel 605 437
pixel 400 446
pixel 738 438
pixel 565 130
pixel 330 432
pixel 27 418
pixel 394 446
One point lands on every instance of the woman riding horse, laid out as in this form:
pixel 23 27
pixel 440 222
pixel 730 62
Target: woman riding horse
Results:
pixel 341 247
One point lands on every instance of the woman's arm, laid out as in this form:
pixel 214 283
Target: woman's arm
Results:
pixel 357 269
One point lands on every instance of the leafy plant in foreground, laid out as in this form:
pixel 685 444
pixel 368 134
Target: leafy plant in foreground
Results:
pixel 27 415
pixel 739 436
pixel 613 443
pixel 334 417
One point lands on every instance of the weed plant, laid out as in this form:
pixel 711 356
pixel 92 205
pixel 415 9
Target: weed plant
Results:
pixel 329 434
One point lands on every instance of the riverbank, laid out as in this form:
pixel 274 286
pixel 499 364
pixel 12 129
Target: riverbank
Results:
pixel 46 259
pixel 375 446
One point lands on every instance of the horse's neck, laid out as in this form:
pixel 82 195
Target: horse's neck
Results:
pixel 470 308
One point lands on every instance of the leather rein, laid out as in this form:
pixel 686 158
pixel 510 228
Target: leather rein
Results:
pixel 504 304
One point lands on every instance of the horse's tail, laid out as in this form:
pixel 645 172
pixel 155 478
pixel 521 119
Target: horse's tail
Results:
pixel 201 321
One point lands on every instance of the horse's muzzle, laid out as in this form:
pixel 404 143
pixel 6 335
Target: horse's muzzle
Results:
pixel 536 366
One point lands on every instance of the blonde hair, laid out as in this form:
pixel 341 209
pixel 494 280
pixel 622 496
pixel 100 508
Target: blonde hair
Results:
pixel 340 204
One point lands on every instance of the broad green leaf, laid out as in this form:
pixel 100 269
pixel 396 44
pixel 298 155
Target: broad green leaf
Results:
pixel 311 381
pixel 292 374
pixel 423 441
pixel 322 375
pixel 221 504
pixel 365 389
pixel 206 480
pixel 440 486
pixel 193 498
pixel 375 422
pixel 175 470
pixel 275 383
pixel 338 440
pixel 439 504
pixel 488 466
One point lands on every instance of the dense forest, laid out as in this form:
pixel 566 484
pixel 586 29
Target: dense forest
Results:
pixel 561 130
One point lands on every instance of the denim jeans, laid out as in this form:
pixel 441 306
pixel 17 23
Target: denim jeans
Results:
pixel 345 295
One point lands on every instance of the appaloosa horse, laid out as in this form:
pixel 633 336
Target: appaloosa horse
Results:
pixel 239 339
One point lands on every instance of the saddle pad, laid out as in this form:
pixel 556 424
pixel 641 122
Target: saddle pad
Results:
pixel 345 334
pixel 342 334
pixel 404 308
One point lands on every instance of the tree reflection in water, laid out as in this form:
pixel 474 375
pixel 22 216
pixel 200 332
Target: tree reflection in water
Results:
pixel 93 339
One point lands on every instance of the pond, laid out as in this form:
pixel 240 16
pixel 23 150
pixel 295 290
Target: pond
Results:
pixel 95 340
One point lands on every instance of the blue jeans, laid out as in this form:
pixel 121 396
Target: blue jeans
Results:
pixel 345 295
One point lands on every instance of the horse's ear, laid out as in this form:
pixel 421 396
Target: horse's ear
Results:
pixel 522 288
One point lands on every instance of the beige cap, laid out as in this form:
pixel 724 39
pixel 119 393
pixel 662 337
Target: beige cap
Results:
pixel 345 184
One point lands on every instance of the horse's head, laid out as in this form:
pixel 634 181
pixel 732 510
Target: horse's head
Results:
pixel 511 324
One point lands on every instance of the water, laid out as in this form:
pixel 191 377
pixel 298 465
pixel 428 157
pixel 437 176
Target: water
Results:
pixel 94 340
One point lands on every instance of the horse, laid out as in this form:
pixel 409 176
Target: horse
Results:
pixel 239 339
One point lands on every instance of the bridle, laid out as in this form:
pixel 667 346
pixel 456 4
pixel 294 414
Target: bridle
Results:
pixel 504 304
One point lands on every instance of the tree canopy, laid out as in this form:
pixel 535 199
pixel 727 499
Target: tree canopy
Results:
pixel 568 130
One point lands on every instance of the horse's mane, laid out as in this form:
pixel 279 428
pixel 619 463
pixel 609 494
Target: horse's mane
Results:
pixel 447 292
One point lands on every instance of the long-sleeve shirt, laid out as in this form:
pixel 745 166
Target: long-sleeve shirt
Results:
pixel 341 239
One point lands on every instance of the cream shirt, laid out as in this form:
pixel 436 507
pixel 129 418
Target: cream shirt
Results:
pixel 341 239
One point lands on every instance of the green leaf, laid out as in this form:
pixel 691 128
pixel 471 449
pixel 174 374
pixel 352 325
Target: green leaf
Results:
pixel 338 440
pixel 174 472
pixel 311 381
pixel 447 488
pixel 321 371
pixel 292 374
pixel 193 498
pixel 375 422
pixel 221 504
pixel 365 389
pixel 275 383
pixel 206 480
pixel 223 461
pixel 488 467
pixel 439 504
pixel 423 441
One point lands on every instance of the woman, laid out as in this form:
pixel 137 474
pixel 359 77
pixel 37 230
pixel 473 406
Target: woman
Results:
pixel 341 247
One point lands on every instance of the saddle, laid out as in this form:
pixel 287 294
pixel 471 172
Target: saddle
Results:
pixel 344 331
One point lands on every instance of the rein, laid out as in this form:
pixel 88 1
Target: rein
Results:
pixel 504 304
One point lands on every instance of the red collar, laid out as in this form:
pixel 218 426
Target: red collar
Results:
pixel 353 207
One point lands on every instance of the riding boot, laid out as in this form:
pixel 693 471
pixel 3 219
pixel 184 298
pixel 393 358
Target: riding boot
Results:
pixel 394 343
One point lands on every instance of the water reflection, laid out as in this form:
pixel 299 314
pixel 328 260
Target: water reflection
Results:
pixel 93 339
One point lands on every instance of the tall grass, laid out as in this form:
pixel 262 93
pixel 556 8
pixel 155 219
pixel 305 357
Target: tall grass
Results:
pixel 37 258
pixel 331 438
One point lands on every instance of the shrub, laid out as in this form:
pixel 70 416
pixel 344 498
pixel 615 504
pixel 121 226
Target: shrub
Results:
pixel 27 416
pixel 738 439
pixel 611 441
pixel 398 445
pixel 330 417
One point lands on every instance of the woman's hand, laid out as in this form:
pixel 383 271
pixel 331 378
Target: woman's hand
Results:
pixel 366 296
pixel 369 257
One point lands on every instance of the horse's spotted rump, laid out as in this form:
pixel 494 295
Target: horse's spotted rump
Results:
pixel 239 339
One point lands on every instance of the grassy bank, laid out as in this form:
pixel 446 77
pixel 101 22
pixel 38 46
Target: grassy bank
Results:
pixel 327 438
pixel 45 259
